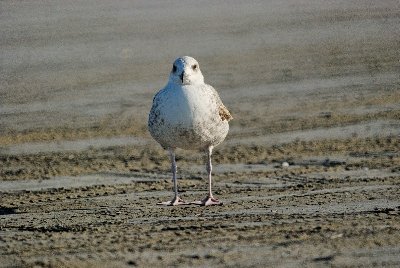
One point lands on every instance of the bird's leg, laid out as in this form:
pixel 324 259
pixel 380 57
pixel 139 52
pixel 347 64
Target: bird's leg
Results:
pixel 210 199
pixel 176 200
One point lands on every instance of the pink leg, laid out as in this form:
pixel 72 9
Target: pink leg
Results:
pixel 176 200
pixel 209 200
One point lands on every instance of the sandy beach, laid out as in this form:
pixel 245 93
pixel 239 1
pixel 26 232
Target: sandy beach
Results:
pixel 312 84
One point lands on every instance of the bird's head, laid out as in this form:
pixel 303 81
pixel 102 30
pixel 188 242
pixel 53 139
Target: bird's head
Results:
pixel 186 71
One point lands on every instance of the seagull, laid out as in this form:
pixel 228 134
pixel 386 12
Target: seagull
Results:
pixel 188 114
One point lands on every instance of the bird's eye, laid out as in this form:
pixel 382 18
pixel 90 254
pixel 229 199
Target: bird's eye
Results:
pixel 173 68
pixel 194 67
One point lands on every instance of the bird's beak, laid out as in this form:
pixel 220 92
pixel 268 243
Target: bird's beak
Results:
pixel 182 75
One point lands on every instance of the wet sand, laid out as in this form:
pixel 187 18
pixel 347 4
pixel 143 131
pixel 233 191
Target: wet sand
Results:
pixel 314 84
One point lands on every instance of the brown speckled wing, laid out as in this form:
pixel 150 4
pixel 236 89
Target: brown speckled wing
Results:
pixel 224 113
